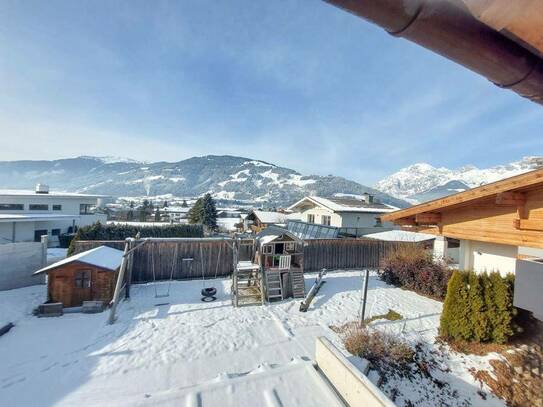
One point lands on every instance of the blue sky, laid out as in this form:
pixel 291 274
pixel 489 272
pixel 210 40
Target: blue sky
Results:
pixel 298 83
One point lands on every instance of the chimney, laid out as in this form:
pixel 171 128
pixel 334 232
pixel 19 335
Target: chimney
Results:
pixel 367 197
pixel 42 189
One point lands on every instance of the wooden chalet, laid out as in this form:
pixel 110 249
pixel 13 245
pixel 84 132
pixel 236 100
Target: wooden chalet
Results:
pixel 499 226
pixel 87 276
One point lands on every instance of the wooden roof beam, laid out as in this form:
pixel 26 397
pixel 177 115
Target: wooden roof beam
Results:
pixel 511 199
pixel 529 224
pixel 428 218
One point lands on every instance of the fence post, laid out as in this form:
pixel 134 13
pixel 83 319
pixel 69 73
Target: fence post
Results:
pixel 365 288
pixel 44 244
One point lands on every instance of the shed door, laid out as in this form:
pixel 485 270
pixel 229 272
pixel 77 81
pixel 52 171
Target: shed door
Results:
pixel 82 286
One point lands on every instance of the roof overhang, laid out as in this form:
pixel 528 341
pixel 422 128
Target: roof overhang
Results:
pixel 499 39
pixel 518 183
pixel 4 218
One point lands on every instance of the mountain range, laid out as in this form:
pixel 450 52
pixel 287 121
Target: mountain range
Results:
pixel 243 180
pixel 227 178
pixel 422 182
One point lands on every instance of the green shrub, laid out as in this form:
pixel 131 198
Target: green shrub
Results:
pixel 479 308
pixel 411 266
pixel 97 231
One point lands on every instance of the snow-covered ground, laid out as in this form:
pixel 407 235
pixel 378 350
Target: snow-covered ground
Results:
pixel 187 352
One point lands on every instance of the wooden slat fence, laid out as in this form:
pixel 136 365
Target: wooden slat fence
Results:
pixel 212 257
pixel 317 254
pixel 345 253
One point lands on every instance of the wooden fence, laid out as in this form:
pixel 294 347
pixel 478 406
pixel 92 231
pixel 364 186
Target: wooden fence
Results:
pixel 189 258
pixel 345 253
pixel 215 257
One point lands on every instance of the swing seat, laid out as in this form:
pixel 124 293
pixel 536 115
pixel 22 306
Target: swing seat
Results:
pixel 209 292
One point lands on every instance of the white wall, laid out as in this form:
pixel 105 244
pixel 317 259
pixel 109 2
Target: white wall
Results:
pixel 483 256
pixel 318 212
pixel 18 261
pixel 344 219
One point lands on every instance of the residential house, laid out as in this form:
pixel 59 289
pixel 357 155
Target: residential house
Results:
pixel 359 214
pixel 27 215
pixel 499 227
pixel 257 220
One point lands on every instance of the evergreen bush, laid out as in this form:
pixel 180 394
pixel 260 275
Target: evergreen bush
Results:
pixel 98 231
pixel 479 308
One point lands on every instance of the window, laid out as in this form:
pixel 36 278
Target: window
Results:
pixel 326 220
pixel 57 207
pixel 11 207
pixel 86 209
pixel 38 234
pixel 310 218
pixel 82 279
pixel 289 246
pixel 378 222
pixel 55 232
pixel 38 207
pixel 267 249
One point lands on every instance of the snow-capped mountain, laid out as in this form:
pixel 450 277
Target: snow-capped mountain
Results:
pixel 422 182
pixel 226 177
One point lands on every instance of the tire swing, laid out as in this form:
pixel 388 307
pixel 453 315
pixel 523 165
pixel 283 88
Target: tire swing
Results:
pixel 208 293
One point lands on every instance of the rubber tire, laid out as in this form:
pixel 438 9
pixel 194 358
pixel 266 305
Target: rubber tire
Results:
pixel 209 299
pixel 208 292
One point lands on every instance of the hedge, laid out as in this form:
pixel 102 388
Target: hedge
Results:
pixel 479 308
pixel 411 266
pixel 98 231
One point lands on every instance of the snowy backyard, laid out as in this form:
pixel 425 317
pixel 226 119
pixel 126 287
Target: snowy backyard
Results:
pixel 191 353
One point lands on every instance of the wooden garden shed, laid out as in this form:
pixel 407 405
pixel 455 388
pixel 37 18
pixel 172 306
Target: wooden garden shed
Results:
pixel 87 276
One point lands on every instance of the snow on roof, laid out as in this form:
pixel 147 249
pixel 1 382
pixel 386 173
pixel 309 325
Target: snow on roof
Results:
pixel 346 204
pixel 29 192
pixel 102 256
pixel 8 217
pixel 401 236
pixel 268 238
pixel 270 217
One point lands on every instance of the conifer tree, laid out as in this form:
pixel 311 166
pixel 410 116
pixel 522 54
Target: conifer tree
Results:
pixel 209 212
pixel 195 213
pixel 455 319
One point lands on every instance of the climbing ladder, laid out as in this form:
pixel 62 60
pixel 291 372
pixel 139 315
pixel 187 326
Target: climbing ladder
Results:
pixel 247 285
pixel 298 284
pixel 274 285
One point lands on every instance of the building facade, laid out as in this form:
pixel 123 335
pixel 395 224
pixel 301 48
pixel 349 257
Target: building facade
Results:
pixel 499 227
pixel 343 212
pixel 26 215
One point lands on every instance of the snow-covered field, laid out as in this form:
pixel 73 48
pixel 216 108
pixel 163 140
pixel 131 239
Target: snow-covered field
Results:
pixel 187 352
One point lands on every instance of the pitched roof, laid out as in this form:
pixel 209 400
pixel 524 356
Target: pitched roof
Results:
pixel 345 204
pixel 269 217
pixel 102 256
pixel 518 183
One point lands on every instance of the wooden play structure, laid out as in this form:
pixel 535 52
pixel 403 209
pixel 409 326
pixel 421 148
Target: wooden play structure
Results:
pixel 273 273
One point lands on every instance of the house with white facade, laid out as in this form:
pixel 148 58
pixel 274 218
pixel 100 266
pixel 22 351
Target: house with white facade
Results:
pixel 26 215
pixel 343 211
pixel 499 227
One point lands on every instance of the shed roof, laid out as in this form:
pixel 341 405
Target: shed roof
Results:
pixel 401 236
pixel 103 256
